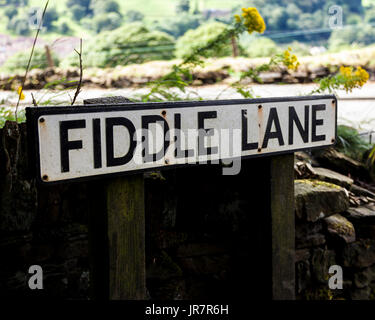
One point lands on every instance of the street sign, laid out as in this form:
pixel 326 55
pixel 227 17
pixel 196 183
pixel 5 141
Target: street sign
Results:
pixel 72 143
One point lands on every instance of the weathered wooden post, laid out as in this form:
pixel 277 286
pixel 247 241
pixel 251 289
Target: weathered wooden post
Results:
pixel 282 227
pixel 123 218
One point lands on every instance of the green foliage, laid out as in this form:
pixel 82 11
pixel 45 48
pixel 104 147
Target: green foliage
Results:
pixel 7 114
pixel 19 25
pixel 10 12
pixel 370 15
pixel 280 16
pixel 83 3
pixel 78 12
pixel 350 142
pixel 104 6
pixel 63 28
pixel 300 48
pixel 346 79
pixel 368 3
pixel 17 3
pixel 197 38
pixel 180 24
pixel 131 43
pixel 103 22
pixel 182 74
pixel 260 47
pixel 183 6
pixel 252 74
pixel 133 16
pixel 353 18
pixel 18 61
pixel 50 17
pixel 341 38
pixel 329 84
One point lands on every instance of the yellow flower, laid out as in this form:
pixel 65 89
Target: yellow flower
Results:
pixel 362 75
pixel 352 79
pixel 346 71
pixel 289 60
pixel 253 21
pixel 20 93
pixel 237 18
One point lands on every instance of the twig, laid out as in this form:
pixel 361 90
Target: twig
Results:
pixel 34 101
pixel 80 72
pixel 31 56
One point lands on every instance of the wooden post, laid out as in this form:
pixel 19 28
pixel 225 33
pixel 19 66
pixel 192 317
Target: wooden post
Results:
pixel 234 47
pixel 49 57
pixel 282 227
pixel 126 236
pixel 118 267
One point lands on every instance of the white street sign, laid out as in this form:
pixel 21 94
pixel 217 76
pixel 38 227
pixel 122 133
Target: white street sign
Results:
pixel 95 141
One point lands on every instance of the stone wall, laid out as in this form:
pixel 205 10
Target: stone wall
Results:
pixel 204 235
pixel 122 78
pixel 335 224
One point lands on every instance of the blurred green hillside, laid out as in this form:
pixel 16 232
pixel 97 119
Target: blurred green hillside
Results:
pixel 71 17
pixel 166 25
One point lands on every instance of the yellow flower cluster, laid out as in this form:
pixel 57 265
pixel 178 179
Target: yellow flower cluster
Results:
pixel 20 93
pixel 353 79
pixel 251 19
pixel 290 60
pixel 362 76
pixel 346 71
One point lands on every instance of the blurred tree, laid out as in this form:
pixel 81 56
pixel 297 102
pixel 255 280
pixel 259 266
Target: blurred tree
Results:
pixel 17 3
pixel 370 15
pixel 353 5
pixel 368 3
pixel 278 19
pixel 255 47
pixel 104 6
pixel 133 16
pixel 50 16
pixel 19 60
pixel 19 25
pixel 105 21
pixel 131 43
pixel 10 12
pixel 180 24
pixel 310 6
pixel 193 39
pixel 196 7
pixel 64 28
pixel 78 12
pixel 83 3
pixel 299 48
pixel 183 6
pixel 342 38
pixel 353 18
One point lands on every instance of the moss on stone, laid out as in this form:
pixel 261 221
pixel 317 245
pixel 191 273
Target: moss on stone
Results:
pixel 315 183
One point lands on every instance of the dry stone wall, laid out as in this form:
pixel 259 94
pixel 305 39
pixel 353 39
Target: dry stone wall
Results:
pixel 203 230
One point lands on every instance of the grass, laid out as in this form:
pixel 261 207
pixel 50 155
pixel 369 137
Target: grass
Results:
pixel 350 142
pixel 7 113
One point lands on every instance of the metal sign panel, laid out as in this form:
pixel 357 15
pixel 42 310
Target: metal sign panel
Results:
pixel 95 141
